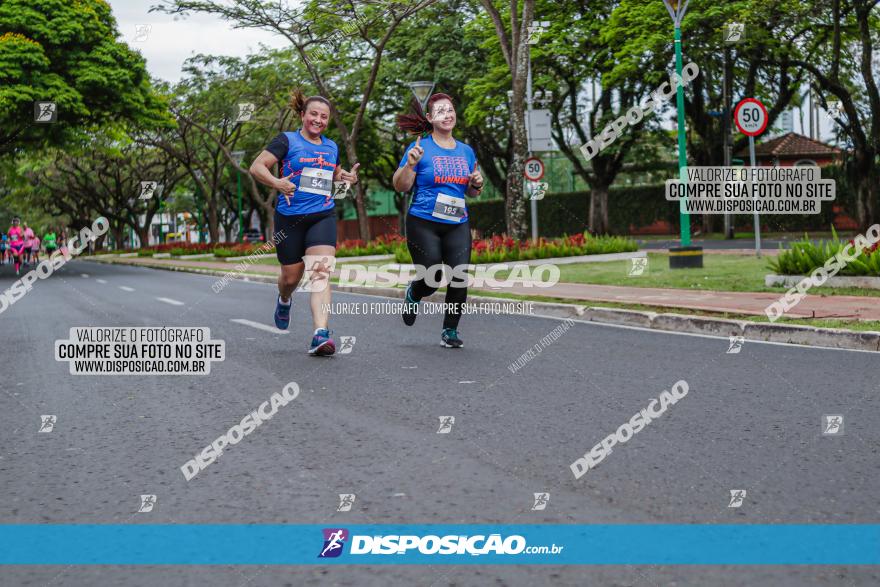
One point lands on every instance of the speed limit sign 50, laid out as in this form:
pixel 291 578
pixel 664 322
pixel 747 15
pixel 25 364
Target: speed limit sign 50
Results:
pixel 750 117
pixel 534 169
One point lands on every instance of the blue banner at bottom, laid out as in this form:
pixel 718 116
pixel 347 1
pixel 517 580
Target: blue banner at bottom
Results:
pixel 484 544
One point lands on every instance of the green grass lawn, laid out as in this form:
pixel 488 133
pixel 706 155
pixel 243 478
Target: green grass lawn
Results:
pixel 717 236
pixel 719 273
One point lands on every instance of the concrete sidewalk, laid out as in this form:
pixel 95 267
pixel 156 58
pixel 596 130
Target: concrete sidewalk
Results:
pixel 812 306
pixel 747 303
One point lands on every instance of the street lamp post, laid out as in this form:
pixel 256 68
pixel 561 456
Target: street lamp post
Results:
pixel 238 157
pixel 201 177
pixel 685 255
pixel 732 33
pixel 422 91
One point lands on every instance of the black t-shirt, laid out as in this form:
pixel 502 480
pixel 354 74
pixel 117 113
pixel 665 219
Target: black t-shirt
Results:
pixel 279 146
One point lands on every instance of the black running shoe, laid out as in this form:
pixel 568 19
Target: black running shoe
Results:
pixel 450 338
pixel 410 307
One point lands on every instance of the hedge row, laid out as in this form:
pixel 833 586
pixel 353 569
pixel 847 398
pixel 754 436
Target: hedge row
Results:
pixel 567 213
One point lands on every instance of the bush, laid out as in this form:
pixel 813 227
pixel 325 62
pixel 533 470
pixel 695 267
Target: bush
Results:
pixel 382 245
pixel 805 256
pixel 567 212
pixel 503 248
pixel 243 250
pixel 186 250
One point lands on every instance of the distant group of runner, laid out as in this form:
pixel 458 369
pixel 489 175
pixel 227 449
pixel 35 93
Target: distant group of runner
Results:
pixel 436 169
pixel 20 246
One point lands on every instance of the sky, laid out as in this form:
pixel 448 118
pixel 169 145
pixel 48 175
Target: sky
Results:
pixel 167 42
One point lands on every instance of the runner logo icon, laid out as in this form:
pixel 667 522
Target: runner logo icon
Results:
pixel 736 344
pixel 47 423
pixel 346 500
pixel 541 501
pixel 334 540
pixel 832 425
pixel 446 423
pixel 147 503
pixel 737 496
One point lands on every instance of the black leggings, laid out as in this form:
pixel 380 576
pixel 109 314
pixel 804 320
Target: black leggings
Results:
pixel 435 243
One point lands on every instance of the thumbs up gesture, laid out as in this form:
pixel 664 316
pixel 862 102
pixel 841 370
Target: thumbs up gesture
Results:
pixel 415 154
pixel 285 186
pixel 350 176
pixel 475 179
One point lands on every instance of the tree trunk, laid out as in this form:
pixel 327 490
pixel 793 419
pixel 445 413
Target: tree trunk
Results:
pixel 598 221
pixel 143 233
pixel 865 179
pixel 515 203
pixel 117 236
pixel 213 224
pixel 267 219
pixel 360 197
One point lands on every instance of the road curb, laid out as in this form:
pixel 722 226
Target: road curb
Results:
pixel 837 338
pixel 863 281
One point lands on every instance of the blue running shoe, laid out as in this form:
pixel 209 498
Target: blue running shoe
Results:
pixel 410 307
pixel 322 344
pixel 282 313
pixel 450 339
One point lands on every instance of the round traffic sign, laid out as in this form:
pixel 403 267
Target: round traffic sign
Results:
pixel 534 169
pixel 750 117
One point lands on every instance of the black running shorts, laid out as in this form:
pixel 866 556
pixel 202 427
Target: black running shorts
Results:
pixel 295 234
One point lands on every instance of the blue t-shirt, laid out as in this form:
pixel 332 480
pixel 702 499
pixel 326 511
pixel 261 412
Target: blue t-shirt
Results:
pixel 441 181
pixel 312 167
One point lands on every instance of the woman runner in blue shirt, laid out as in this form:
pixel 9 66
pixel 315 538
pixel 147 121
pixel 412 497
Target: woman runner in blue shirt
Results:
pixel 305 219
pixel 441 172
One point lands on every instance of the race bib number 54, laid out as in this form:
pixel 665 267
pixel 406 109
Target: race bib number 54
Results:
pixel 316 181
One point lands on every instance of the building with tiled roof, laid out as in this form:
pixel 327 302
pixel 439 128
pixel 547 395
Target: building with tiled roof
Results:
pixel 792 149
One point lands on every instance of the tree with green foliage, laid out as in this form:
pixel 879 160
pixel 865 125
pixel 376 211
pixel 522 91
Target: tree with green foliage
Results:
pixel 67 53
pixel 335 62
pixel 836 46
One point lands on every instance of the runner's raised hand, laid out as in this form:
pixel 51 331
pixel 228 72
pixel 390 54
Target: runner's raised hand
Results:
pixel 350 176
pixel 415 154
pixel 475 179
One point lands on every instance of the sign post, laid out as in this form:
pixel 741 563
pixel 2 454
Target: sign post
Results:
pixel 534 169
pixel 750 117
pixel 533 172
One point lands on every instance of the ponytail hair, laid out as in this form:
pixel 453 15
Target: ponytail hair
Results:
pixel 417 123
pixel 298 101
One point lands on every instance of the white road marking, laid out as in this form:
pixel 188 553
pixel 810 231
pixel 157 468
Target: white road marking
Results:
pixel 83 274
pixel 258 326
pixel 101 280
pixel 641 328
pixel 126 288
pixel 467 381
pixel 170 301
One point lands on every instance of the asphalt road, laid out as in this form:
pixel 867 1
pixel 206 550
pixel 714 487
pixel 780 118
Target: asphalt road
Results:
pixel 718 245
pixel 366 423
